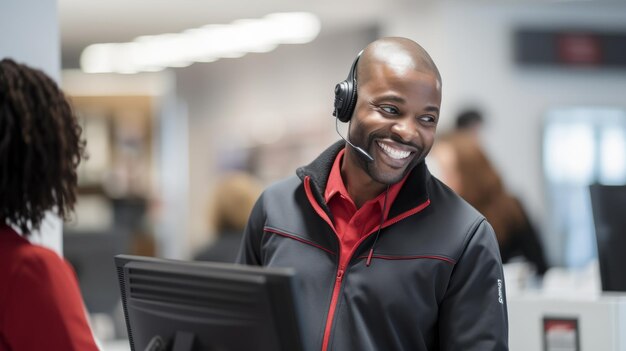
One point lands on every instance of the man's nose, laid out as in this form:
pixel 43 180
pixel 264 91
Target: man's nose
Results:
pixel 405 128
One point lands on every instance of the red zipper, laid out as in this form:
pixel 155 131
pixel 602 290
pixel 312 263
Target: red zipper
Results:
pixel 343 263
pixel 333 305
pixel 340 268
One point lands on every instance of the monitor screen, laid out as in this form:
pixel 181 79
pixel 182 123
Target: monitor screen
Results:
pixel 608 204
pixel 185 306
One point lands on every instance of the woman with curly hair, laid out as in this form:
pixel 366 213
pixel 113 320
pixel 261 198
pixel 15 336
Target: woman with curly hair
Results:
pixel 41 307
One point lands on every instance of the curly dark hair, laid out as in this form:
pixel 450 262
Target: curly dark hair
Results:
pixel 40 147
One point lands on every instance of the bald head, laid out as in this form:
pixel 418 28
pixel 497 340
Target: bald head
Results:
pixel 397 54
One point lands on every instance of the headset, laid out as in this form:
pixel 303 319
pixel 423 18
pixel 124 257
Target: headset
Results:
pixel 345 94
pixel 345 100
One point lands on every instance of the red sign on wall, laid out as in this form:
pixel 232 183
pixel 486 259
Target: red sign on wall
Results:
pixel 579 49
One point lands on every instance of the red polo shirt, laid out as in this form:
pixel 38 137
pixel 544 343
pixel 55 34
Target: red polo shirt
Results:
pixel 351 224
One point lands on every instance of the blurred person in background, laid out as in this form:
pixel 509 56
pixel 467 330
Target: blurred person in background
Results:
pixel 386 256
pixel 470 121
pixel 41 307
pixel 464 167
pixel 231 205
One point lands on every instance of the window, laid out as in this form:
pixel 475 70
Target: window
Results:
pixel 581 146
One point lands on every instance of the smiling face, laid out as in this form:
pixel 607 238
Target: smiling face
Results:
pixel 395 119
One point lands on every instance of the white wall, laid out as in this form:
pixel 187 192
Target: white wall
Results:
pixel 472 45
pixel 29 33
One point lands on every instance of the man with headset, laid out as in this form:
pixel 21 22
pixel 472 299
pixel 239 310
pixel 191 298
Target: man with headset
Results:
pixel 387 257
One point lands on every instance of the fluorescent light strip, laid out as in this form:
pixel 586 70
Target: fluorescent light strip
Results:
pixel 205 44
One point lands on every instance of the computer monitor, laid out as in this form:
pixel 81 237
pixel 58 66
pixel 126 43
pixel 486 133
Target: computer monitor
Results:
pixel 608 204
pixel 193 306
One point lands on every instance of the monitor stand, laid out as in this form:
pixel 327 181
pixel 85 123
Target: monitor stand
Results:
pixel 183 341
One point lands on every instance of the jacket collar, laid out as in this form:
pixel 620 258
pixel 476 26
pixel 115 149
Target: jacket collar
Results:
pixel 413 193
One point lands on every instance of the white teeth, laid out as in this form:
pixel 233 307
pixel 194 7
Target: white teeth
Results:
pixel 393 153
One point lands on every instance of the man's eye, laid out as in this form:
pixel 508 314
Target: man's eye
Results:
pixel 389 109
pixel 428 119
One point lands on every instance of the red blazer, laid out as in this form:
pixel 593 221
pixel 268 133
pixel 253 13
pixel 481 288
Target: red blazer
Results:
pixel 41 307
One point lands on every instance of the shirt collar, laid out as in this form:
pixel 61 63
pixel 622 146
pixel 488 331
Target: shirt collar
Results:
pixel 335 183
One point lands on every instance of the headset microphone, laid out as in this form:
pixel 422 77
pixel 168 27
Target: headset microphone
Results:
pixel 361 151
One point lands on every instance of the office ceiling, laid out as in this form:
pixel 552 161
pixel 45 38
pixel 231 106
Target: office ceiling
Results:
pixel 86 22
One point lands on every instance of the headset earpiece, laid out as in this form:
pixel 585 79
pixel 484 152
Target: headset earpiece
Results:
pixel 345 95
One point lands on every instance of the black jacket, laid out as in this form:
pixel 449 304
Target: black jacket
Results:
pixel 435 281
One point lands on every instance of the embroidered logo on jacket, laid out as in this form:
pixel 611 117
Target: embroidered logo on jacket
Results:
pixel 500 298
